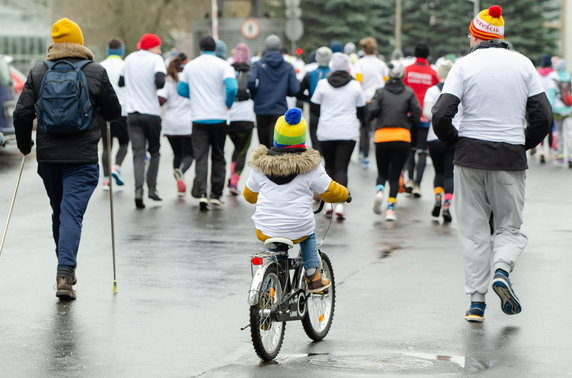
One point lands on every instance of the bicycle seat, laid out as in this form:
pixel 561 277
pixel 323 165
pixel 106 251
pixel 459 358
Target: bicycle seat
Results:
pixel 275 243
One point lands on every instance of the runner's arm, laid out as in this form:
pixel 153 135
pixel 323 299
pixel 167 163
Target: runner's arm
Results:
pixel 539 117
pixel 443 113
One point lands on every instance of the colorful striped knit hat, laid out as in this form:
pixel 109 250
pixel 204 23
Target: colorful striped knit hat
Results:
pixel 488 24
pixel 290 130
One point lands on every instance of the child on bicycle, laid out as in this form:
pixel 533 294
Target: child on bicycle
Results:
pixel 282 184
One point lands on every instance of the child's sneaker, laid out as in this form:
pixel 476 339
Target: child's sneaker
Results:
pixel 378 201
pixel 476 313
pixel 340 211
pixel 329 210
pixel 317 283
pixel 447 218
pixel 106 184
pixel 509 301
pixel 116 174
pixel 390 215
pixel 416 191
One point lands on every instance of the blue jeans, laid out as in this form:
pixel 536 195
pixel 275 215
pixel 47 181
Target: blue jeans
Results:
pixel 69 187
pixel 309 252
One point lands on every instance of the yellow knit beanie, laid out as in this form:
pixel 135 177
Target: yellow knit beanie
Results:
pixel 66 31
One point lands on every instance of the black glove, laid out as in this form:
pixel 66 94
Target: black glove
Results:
pixel 25 148
pixel 349 198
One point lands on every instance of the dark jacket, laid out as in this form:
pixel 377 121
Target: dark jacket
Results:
pixel 77 148
pixel 242 94
pixel 395 105
pixel 270 80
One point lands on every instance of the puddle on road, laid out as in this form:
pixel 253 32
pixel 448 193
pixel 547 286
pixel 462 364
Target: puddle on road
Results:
pixel 361 364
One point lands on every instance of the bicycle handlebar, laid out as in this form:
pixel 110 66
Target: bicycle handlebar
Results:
pixel 322 203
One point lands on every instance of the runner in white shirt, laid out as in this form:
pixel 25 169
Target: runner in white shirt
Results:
pixel 371 72
pixel 210 83
pixel 177 124
pixel 144 73
pixel 114 67
pixel 340 99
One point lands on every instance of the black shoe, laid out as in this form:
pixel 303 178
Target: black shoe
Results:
pixel 139 203
pixel 437 207
pixel 447 218
pixel 154 195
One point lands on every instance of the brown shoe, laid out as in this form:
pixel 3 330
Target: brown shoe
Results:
pixel 317 283
pixel 64 289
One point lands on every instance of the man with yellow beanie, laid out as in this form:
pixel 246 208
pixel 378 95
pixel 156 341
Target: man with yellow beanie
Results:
pixel 66 143
pixel 282 184
pixel 505 113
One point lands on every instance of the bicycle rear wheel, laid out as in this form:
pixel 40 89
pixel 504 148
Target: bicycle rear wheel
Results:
pixel 267 334
pixel 320 306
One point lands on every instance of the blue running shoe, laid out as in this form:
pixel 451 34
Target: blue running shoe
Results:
pixel 509 301
pixel 476 313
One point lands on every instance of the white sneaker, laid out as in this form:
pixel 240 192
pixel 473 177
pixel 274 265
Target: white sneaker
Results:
pixel 390 215
pixel 216 202
pixel 106 184
pixel 378 201
pixel 340 211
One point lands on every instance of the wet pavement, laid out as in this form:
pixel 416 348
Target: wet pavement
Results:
pixel 183 278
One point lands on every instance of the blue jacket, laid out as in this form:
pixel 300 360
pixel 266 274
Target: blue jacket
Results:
pixel 270 80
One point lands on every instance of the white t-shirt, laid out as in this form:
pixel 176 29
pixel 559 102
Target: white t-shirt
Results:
pixel 242 111
pixel 177 118
pixel 373 72
pixel 431 97
pixel 205 76
pixel 286 210
pixel 139 73
pixel 114 67
pixel 493 85
pixel 338 117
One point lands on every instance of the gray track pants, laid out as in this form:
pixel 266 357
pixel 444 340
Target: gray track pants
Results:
pixel 478 193
pixel 144 133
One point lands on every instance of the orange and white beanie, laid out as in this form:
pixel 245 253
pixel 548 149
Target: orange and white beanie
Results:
pixel 488 24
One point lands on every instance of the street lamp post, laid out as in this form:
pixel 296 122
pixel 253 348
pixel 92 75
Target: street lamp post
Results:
pixel 397 31
pixel 476 6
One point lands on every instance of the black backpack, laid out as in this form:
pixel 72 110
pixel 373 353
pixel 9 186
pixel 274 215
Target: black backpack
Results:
pixel 242 78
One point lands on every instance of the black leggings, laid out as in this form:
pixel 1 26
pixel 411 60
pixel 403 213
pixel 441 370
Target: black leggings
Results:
pixel 337 155
pixel 442 157
pixel 182 146
pixel 265 128
pixel 240 133
pixel 391 158
pixel 419 148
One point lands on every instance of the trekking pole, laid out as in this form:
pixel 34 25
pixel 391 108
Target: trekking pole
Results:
pixel 111 206
pixel 12 204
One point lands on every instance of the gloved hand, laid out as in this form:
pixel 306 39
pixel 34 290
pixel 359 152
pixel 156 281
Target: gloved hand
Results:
pixel 26 148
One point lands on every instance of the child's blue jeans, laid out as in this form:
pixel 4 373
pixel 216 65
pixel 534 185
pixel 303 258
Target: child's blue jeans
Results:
pixel 309 252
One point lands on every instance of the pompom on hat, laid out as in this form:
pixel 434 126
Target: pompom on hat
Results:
pixel 290 130
pixel 488 24
pixel 65 30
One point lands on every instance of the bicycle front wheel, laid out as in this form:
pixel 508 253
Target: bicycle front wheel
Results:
pixel 267 334
pixel 320 306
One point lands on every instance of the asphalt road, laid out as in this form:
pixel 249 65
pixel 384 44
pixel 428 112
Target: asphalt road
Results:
pixel 183 278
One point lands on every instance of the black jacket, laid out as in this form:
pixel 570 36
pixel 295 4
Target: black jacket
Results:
pixel 395 105
pixel 77 148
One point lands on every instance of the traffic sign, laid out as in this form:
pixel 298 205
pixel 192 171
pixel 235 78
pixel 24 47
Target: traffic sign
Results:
pixel 250 28
pixel 294 29
pixel 292 3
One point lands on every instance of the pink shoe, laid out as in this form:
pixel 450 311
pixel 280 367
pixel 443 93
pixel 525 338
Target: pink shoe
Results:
pixel 181 188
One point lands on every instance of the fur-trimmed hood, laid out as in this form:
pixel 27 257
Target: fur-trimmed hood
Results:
pixel 282 167
pixel 68 50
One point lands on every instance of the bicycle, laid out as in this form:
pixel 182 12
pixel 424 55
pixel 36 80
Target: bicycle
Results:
pixel 276 296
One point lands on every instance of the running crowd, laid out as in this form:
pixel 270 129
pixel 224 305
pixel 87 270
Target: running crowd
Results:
pixel 409 107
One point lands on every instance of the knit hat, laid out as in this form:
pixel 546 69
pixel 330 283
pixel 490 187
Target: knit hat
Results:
pixel 148 41
pixel 220 49
pixel 340 62
pixel 116 47
pixel 323 56
pixel 241 54
pixel 290 130
pixel 273 43
pixel 349 48
pixel 444 68
pixel 396 70
pixel 488 24
pixel 336 47
pixel 65 30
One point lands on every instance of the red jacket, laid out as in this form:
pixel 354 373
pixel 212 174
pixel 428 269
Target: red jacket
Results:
pixel 420 76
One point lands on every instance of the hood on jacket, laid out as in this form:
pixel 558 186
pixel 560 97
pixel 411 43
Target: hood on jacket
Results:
pixel 395 86
pixel 68 50
pixel 545 71
pixel 273 59
pixel 338 79
pixel 282 165
pixel 241 66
